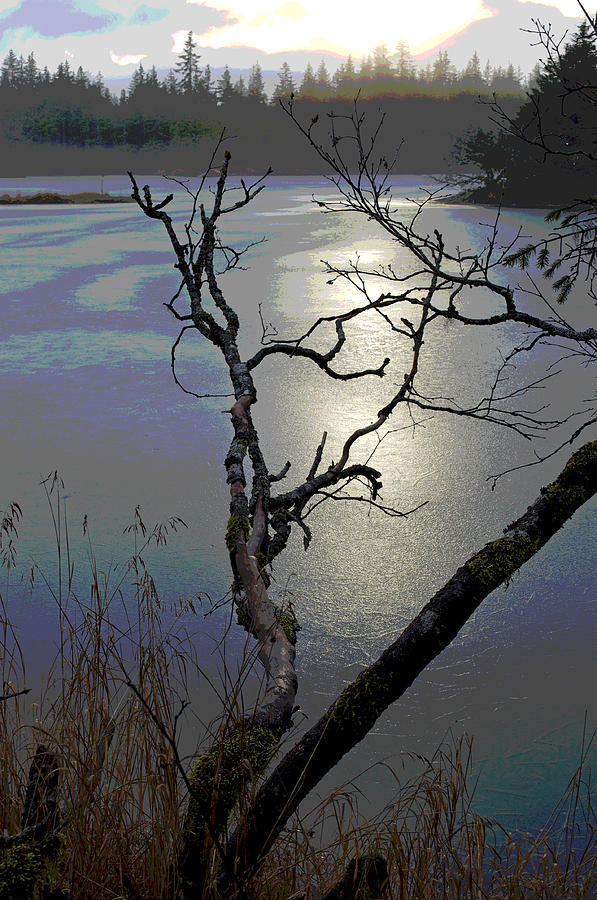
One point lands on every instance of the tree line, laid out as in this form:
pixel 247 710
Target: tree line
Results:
pixel 72 107
pixel 544 153
pixel 110 806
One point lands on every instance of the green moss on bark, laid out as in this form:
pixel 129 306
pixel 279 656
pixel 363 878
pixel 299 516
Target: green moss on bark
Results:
pixel 216 778
pixel 497 562
pixel 237 525
pixel 584 462
pixel 289 624
pixel 569 492
pixel 362 702
pixel 21 871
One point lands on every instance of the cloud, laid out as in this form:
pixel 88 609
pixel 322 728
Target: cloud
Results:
pixel 128 59
pixel 146 14
pixel 54 18
pixel 336 25
pixel 292 10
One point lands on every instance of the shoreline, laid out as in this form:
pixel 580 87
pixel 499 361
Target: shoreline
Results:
pixel 48 198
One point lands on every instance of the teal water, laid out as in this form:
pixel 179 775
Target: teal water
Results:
pixel 87 389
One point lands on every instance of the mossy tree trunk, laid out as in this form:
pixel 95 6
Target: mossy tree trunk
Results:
pixel 261 518
pixel 352 715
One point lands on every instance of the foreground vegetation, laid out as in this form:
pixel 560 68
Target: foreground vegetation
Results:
pixel 94 739
pixel 100 796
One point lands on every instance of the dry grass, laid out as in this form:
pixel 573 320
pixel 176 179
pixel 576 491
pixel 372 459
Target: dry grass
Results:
pixel 437 847
pixel 111 710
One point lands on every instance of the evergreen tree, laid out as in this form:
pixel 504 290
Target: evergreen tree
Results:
pixel 285 85
pixel 404 64
pixel 324 84
pixel 20 77
pixel 63 73
pixel 344 77
pixel 187 66
pixel 137 81
pixel 224 88
pixel 202 85
pixel 31 70
pixel 382 64
pixel 8 73
pixel 542 150
pixel 488 73
pixel 152 79
pixel 308 85
pixel 426 73
pixel 471 77
pixel 256 88
pixel 81 78
pixel 533 80
pixel 366 69
pixel 505 81
pixel 170 83
pixel 240 88
pixel 575 66
pixel 443 72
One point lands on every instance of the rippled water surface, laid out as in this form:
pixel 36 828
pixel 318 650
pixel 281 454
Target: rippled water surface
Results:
pixel 87 389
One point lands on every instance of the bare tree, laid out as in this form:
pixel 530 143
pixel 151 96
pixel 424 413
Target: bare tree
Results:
pixel 222 853
pixel 261 518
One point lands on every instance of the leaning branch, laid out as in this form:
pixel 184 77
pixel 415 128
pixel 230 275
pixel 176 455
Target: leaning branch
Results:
pixel 355 711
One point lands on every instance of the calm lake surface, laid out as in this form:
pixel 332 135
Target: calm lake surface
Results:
pixel 87 389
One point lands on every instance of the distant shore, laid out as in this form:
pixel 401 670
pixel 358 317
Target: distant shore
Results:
pixel 484 197
pixel 51 197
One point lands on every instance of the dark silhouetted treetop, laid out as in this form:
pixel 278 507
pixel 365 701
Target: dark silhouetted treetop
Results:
pixel 324 82
pixel 256 86
pixel 224 88
pixel 404 64
pixel 443 72
pixel 308 86
pixel 382 64
pixel 187 66
pixel 285 85
pixel 471 77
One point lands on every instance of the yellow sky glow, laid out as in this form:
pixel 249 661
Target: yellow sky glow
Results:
pixel 339 26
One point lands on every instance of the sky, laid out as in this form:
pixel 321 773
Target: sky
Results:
pixel 114 36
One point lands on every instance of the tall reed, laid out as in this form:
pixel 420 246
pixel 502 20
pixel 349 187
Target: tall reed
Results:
pixel 112 709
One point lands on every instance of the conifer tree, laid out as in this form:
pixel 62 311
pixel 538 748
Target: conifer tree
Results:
pixel 308 85
pixel 443 72
pixel 137 80
pixel 256 87
pixel 382 64
pixel 285 85
pixel 170 83
pixel 324 83
pixel 187 66
pixel 366 69
pixel 31 70
pixel 203 84
pixel 152 77
pixel 471 76
pixel 224 88
pixel 8 73
pixel 404 63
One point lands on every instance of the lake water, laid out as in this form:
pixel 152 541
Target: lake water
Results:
pixel 86 389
